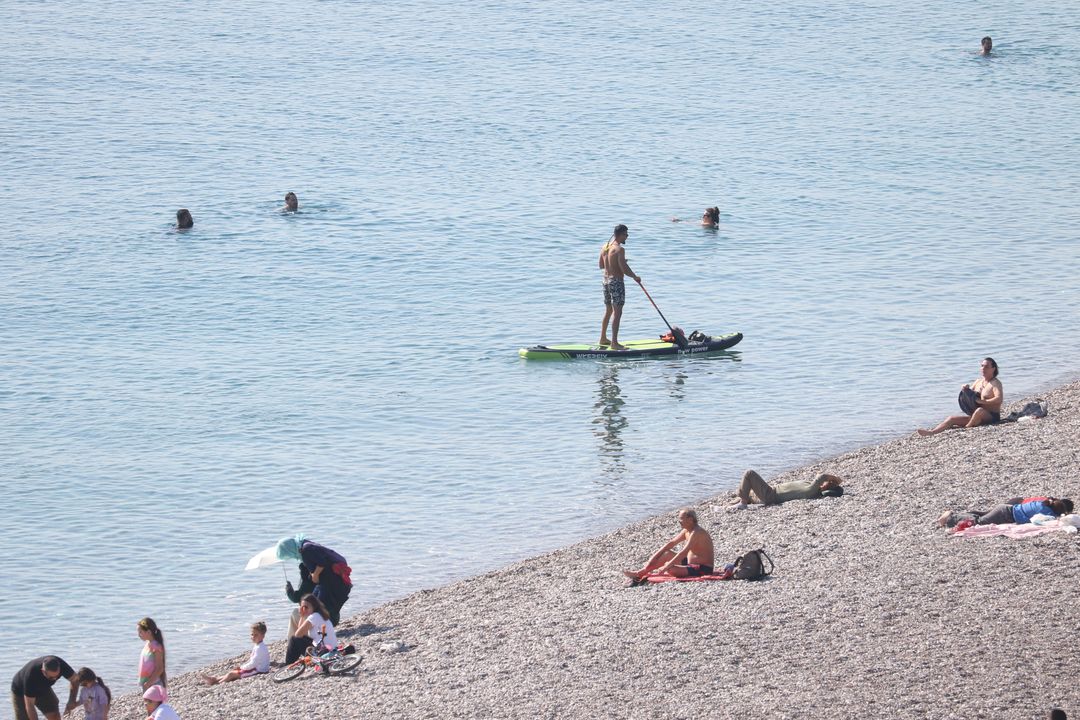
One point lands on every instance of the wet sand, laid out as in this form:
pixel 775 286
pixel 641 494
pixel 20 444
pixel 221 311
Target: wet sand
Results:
pixel 872 610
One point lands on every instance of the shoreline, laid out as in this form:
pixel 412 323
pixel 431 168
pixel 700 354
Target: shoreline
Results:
pixel 871 607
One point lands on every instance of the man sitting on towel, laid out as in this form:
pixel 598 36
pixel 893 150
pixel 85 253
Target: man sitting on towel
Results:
pixel 753 485
pixel 693 559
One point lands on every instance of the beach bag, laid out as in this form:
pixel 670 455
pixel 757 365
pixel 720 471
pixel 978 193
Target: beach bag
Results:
pixel 1035 409
pixel 968 400
pixel 751 566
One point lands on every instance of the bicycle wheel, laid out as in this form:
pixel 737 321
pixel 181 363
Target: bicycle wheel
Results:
pixel 343 664
pixel 289 672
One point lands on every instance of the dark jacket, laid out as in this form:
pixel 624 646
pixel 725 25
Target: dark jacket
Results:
pixel 306 586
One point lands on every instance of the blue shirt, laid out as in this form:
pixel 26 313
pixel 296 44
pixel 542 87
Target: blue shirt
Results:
pixel 1023 512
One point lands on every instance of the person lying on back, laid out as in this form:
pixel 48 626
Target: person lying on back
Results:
pixel 754 489
pixel 1010 512
pixel 693 559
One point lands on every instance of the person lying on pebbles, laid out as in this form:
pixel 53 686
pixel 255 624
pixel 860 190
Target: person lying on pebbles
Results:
pixel 754 489
pixel 1015 510
pixel 693 559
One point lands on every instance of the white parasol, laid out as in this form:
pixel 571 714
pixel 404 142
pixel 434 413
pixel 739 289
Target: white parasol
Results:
pixel 264 558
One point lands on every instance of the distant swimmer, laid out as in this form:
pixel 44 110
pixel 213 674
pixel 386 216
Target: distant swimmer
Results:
pixel 291 203
pixel 987 45
pixel 184 219
pixel 613 263
pixel 710 218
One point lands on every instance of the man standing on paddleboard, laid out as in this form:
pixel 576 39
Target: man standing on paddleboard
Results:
pixel 613 263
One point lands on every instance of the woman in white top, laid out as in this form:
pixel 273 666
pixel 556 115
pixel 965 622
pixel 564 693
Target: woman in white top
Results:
pixel 314 627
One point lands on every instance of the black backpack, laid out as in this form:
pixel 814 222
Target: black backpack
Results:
pixel 751 566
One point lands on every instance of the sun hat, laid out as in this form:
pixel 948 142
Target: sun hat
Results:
pixel 155 693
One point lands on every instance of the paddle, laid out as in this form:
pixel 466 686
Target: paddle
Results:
pixel 680 339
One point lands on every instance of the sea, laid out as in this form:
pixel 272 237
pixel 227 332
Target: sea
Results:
pixel 894 207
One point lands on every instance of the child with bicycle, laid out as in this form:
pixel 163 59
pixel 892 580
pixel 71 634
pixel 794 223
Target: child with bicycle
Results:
pixel 258 662
pixel 314 629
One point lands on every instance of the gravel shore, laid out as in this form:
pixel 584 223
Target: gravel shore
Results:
pixel 872 610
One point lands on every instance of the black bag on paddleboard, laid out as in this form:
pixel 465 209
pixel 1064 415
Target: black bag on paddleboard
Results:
pixel 751 566
pixel 968 400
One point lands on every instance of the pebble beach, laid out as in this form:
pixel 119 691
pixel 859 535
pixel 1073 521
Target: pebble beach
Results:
pixel 873 610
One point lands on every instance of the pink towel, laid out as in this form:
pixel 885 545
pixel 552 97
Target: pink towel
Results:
pixel 1016 532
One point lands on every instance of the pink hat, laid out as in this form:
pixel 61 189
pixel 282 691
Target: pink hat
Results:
pixel 155 693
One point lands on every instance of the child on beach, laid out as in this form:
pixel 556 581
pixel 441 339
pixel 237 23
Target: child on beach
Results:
pixel 94 695
pixel 156 707
pixel 152 659
pixel 258 662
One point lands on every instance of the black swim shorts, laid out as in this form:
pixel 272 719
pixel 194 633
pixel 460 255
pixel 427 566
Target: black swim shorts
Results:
pixel 615 292
pixel 698 570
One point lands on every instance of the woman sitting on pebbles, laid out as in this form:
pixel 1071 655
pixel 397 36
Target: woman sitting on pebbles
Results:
pixel 987 396
pixel 315 627
pixel 1016 510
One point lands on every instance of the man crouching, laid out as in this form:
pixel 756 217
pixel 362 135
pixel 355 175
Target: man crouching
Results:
pixel 695 558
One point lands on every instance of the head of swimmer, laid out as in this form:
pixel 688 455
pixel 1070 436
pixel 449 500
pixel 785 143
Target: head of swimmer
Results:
pixel 184 219
pixel 620 233
pixel 711 216
pixel 291 203
pixel 987 45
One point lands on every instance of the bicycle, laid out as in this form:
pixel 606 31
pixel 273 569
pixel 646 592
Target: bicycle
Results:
pixel 328 662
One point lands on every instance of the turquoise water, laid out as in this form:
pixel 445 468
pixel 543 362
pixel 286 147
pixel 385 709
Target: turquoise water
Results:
pixel 894 207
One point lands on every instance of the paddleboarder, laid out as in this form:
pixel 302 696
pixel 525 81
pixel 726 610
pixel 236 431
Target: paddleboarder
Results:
pixel 613 263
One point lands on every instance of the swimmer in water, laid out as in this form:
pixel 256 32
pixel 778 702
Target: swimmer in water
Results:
pixel 291 203
pixel 710 218
pixel 184 220
pixel 987 45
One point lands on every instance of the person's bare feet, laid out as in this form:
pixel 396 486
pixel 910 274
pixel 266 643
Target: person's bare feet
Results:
pixel 209 679
pixel 604 341
pixel 617 346
pixel 941 521
pixel 925 433
pixel 632 574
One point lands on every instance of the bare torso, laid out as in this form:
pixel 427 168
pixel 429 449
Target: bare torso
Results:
pixel 991 393
pixel 700 547
pixel 613 259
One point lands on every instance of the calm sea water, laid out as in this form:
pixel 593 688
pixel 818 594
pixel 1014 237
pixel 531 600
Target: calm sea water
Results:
pixel 894 208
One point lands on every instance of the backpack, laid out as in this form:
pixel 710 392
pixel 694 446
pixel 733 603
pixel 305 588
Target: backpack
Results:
pixel 750 566
pixel 1036 409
